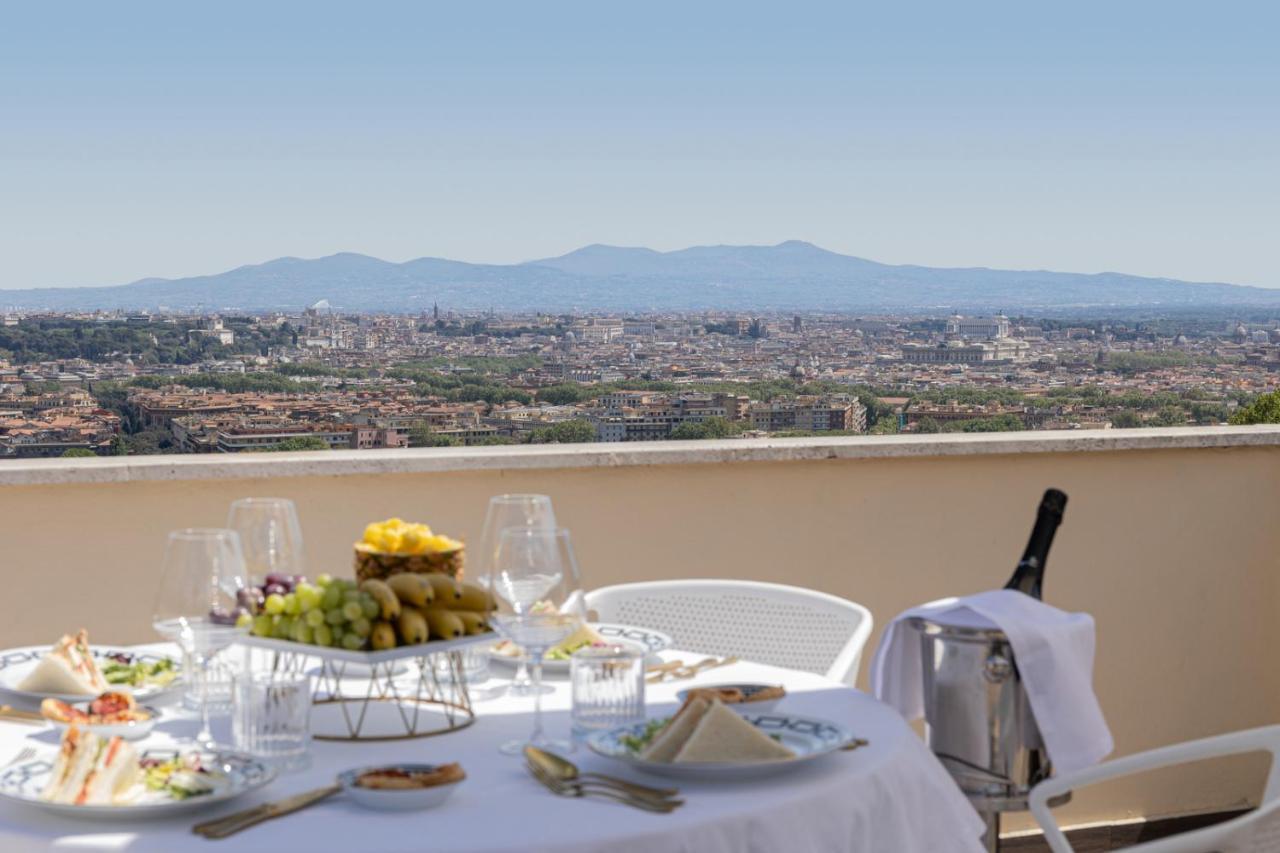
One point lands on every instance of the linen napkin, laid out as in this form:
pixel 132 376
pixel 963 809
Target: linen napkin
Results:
pixel 1054 651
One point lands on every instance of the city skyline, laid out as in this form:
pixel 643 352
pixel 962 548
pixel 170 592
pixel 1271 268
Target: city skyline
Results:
pixel 159 141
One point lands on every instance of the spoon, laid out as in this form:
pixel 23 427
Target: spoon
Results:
pixel 564 770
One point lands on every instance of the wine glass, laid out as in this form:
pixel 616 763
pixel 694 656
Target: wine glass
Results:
pixel 271 538
pixel 535 580
pixel 204 572
pixel 512 511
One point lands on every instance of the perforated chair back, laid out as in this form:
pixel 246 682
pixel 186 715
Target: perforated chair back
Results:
pixel 769 623
pixel 1257 831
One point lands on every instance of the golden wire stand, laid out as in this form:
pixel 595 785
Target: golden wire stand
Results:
pixel 396 694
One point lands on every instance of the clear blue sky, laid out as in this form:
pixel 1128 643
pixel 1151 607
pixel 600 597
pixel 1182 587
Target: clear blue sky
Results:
pixel 172 139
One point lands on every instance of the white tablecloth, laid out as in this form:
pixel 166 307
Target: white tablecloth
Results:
pixel 892 795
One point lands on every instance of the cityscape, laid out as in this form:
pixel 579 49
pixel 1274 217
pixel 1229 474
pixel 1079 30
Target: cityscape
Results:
pixel 106 383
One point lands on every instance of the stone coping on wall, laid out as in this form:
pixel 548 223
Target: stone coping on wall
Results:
pixel 19 472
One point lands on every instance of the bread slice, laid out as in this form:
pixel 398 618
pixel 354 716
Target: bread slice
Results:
pixel 115 772
pixel 723 736
pixel 76 761
pixel 668 742
pixel 68 668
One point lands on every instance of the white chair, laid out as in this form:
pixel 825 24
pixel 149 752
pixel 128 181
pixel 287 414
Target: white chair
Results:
pixel 763 622
pixel 1257 831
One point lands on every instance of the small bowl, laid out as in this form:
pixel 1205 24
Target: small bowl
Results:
pixel 134 730
pixel 747 690
pixel 405 800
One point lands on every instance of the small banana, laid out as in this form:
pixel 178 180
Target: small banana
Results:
pixel 474 623
pixel 446 589
pixel 413 627
pixel 388 603
pixel 411 589
pixel 474 597
pixel 383 636
pixel 444 624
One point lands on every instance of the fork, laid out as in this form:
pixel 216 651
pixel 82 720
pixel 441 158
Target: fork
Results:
pixel 24 754
pixel 579 789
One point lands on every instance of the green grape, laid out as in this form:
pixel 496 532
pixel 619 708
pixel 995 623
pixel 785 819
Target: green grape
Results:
pixel 371 608
pixel 262 624
pixel 322 634
pixel 315 618
pixel 301 632
pixel 338 632
pixel 243 619
pixel 352 595
pixel 332 598
pixel 352 641
pixel 352 610
pixel 335 616
pixel 309 597
pixel 291 604
pixel 274 604
pixel 362 627
pixel 283 629
pixel 324 579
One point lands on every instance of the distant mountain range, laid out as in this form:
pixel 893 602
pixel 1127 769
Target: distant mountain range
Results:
pixel 789 276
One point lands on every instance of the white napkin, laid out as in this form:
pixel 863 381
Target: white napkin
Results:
pixel 1054 650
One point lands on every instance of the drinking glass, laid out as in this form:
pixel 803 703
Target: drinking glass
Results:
pixel 512 511
pixel 535 581
pixel 271 716
pixel 204 573
pixel 270 536
pixel 608 687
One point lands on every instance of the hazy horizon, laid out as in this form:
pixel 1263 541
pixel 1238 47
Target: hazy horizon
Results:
pixel 154 141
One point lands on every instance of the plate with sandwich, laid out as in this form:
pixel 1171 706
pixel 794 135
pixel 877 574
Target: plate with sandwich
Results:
pixel 592 634
pixel 95 776
pixel 73 671
pixel 706 739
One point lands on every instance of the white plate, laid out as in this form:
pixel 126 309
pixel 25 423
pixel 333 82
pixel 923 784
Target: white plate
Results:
pixel 129 731
pixel 649 640
pixel 807 737
pixel 22 784
pixel 411 799
pixel 17 664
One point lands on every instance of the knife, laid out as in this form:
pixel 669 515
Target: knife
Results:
pixel 231 824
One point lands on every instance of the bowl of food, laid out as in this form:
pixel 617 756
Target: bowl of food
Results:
pixel 401 787
pixel 110 715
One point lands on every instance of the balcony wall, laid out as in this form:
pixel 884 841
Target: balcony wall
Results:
pixel 1170 540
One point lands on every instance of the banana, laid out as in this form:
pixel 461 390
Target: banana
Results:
pixel 447 591
pixel 413 627
pixel 474 597
pixel 388 603
pixel 383 636
pixel 474 623
pixel 444 624
pixel 411 589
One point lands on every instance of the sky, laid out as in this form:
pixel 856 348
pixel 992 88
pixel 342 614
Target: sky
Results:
pixel 171 139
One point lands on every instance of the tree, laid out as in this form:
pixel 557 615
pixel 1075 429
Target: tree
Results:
pixel 301 442
pixel 927 424
pixel 77 453
pixel 710 428
pixel 1126 420
pixel 566 432
pixel 1263 410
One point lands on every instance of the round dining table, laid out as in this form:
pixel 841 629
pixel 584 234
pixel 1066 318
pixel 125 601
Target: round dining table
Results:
pixel 889 795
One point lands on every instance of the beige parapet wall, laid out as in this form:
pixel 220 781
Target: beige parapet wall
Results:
pixel 1171 540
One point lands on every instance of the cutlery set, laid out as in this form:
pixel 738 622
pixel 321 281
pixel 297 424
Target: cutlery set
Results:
pixel 677 671
pixel 562 777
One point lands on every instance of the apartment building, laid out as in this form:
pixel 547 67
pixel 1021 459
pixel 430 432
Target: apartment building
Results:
pixel 810 414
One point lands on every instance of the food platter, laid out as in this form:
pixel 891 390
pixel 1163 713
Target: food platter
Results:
pixel 17 664
pixel 807 737
pixel 131 730
pixel 236 773
pixel 647 639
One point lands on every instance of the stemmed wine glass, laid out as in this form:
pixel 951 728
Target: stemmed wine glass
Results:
pixel 204 572
pixel 270 536
pixel 512 511
pixel 538 589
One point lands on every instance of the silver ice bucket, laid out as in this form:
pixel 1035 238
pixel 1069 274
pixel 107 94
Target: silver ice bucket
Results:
pixel 979 721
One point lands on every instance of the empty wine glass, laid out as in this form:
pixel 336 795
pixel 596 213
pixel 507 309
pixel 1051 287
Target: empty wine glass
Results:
pixel 204 572
pixel 270 536
pixel 536 583
pixel 511 511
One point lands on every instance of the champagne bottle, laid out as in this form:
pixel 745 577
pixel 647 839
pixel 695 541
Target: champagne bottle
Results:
pixel 1028 577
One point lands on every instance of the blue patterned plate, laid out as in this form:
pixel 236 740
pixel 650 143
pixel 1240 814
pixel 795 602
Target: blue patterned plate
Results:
pixel 234 774
pixel 649 640
pixel 17 664
pixel 807 737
